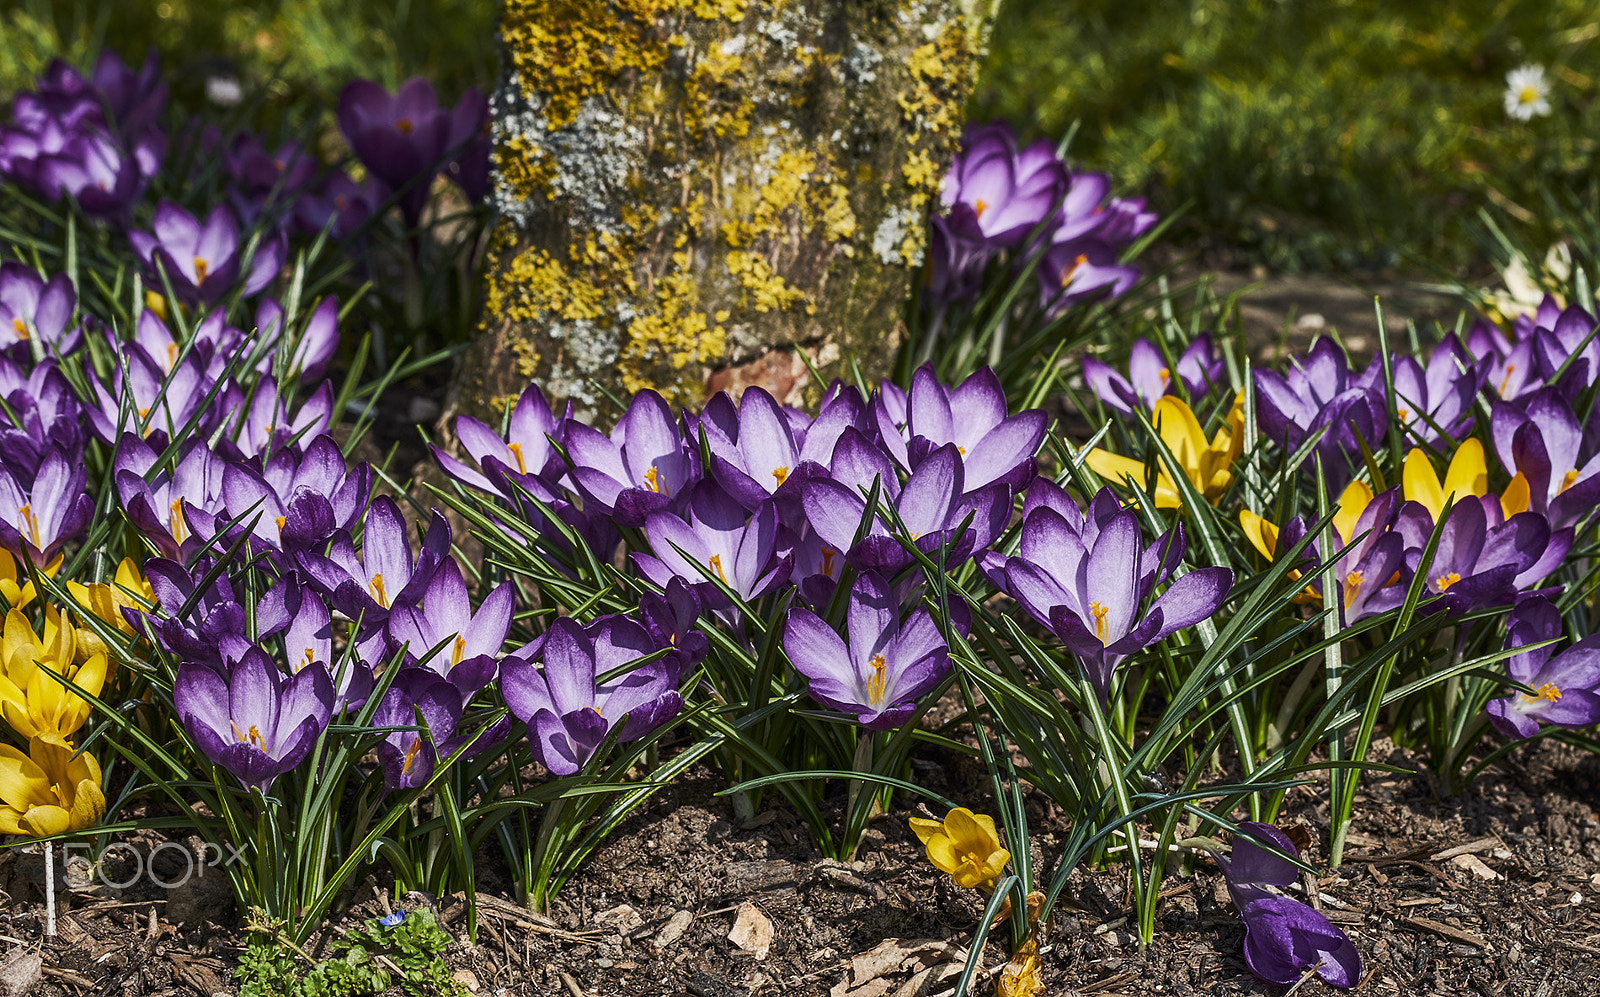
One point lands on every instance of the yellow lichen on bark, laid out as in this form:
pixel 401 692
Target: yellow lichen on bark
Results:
pixel 678 333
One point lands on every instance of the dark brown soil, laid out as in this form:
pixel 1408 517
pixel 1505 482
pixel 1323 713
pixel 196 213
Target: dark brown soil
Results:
pixel 652 911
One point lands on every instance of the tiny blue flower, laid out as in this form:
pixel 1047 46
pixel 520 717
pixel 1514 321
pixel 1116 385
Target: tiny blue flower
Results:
pixel 391 920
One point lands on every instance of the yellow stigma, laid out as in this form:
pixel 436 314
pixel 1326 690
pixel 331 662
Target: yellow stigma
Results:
pixel 379 594
pixel 280 520
pixel 781 474
pixel 29 522
pixel 310 659
pixel 459 650
pixel 652 480
pixel 1568 480
pixel 172 354
pixel 877 682
pixel 1548 692
pixel 1072 271
pixel 1510 368
pixel 516 451
pixel 715 564
pixel 1099 613
pixel 403 126
pixel 199 270
pixel 20 327
pixel 1446 580
pixel 176 526
pixel 827 561
pixel 411 756
pixel 1165 375
pixel 1352 587
pixel 979 207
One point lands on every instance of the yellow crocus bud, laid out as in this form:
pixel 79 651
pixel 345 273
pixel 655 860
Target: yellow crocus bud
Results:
pixel 106 600
pixel 33 702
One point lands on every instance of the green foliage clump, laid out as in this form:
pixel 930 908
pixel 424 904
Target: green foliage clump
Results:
pixel 1347 134
pixel 273 966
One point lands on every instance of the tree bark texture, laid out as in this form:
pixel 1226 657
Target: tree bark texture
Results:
pixel 696 191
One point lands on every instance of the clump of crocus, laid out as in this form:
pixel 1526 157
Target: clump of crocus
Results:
pixel 33 698
pixel 965 845
pixel 1566 685
pixel 1208 465
pixel 1283 938
pixel 886 666
pixel 48 791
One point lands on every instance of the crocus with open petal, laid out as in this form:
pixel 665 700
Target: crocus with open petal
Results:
pixel 1557 470
pixel 995 193
pixel 524 456
pixel 265 423
pixel 754 452
pixel 446 635
pixel 1283 938
pixel 1483 558
pixel 48 791
pixel 965 845
pixel 640 469
pixel 1566 685
pixel 1316 393
pixel 409 753
pixel 152 399
pixel 38 521
pixel 877 677
pixel 205 261
pixel 211 631
pixel 1083 270
pixel 33 309
pixel 672 621
pixel 931 506
pixel 1199 367
pixel 1088 581
pixel 993 446
pixel 569 714
pixel 385 575
pixel 1435 402
pixel 313 348
pixel 746 551
pixel 1208 465
pixel 42 412
pixel 155 503
pixel 295 502
pixel 404 138
pixel 252 719
pixel 1466 477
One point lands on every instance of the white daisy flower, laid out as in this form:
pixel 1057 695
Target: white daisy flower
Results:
pixel 1527 93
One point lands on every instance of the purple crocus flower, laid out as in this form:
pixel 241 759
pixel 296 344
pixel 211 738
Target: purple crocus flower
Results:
pixel 156 503
pixel 313 349
pixel 252 719
pixel 445 635
pixel 1372 575
pixel 205 262
pixel 972 416
pixel 1087 578
pixel 36 522
pixel 524 456
pixel 136 99
pixel 404 138
pixel 340 205
pixel 296 501
pixel 1084 270
pixel 996 194
pixel 954 271
pixel 385 576
pixel 1436 403
pixel 1283 938
pixel 1557 470
pixel 261 175
pixel 755 454
pixel 1316 393
pixel 265 424
pixel 92 167
pixel 212 340
pixel 1566 685
pixel 932 505
pixel 32 309
pixel 748 552
pixel 409 753
pixel 569 715
pixel 212 632
pixel 308 641
pixel 152 401
pixel 1571 336
pixel 1483 558
pixel 43 412
pixel 1149 378
pixel 640 469
pixel 672 620
pixel 886 666
pixel 1511 364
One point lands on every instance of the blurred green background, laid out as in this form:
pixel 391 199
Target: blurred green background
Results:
pixel 1345 135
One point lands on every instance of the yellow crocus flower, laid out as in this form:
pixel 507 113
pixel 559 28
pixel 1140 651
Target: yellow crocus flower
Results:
pixel 965 845
pixel 106 601
pixel 47 791
pixel 1207 465
pixel 1467 475
pixel 35 704
pixel 15 585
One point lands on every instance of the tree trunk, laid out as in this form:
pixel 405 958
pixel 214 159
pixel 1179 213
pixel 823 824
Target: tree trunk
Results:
pixel 695 191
